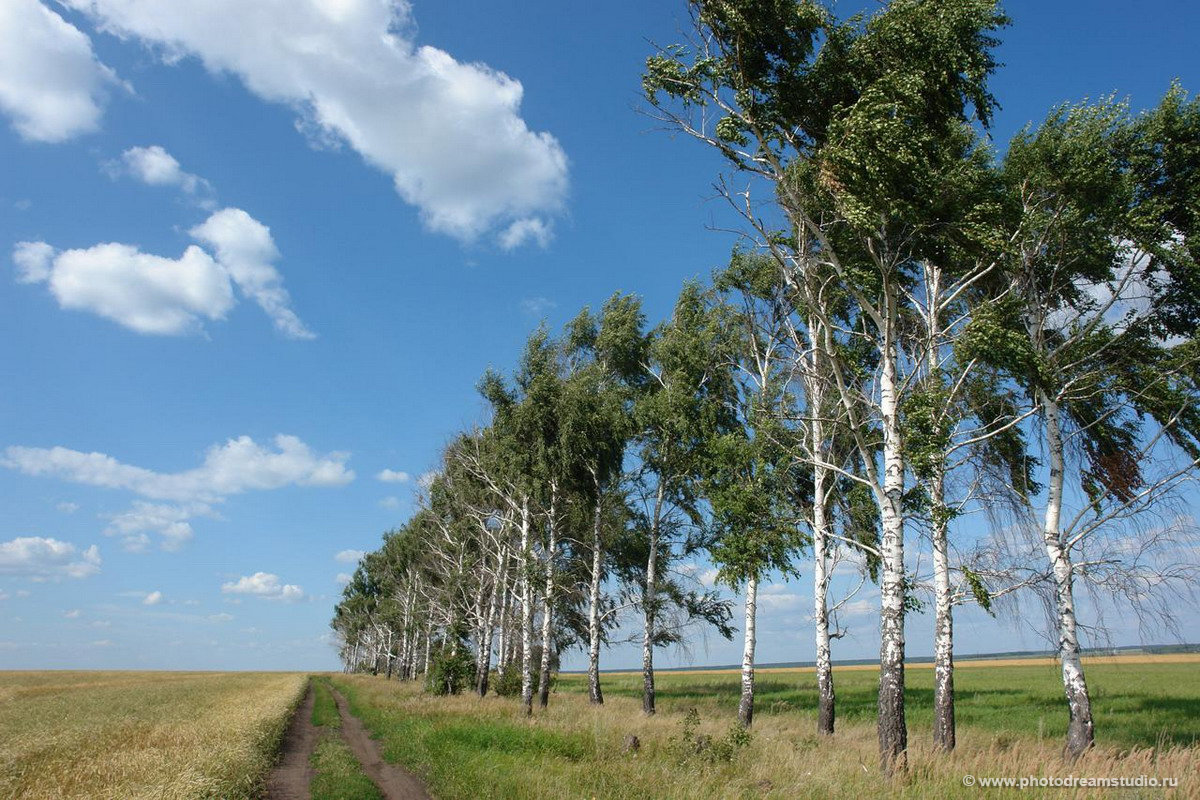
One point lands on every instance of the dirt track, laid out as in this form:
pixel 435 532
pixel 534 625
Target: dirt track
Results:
pixel 292 775
pixel 395 783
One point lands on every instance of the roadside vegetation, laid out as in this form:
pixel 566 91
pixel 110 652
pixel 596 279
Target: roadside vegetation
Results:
pixel 141 734
pixel 467 747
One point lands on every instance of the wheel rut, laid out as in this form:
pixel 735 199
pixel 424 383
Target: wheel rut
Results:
pixel 291 777
pixel 395 783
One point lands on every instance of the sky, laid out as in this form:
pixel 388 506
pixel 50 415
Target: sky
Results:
pixel 255 255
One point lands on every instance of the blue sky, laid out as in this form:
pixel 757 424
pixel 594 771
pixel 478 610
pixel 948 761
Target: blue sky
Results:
pixel 253 258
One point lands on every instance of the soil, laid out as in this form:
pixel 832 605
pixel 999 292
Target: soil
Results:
pixel 291 777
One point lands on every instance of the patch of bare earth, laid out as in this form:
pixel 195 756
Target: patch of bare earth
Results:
pixel 291 776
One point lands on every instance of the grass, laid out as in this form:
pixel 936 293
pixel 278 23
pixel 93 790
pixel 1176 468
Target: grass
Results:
pixel 338 774
pixel 141 734
pixel 1011 723
pixel 1136 703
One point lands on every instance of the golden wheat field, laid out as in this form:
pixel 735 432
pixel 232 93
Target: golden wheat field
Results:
pixel 141 734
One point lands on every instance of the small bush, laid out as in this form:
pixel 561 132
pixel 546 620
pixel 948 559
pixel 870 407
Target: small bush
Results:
pixel 450 674
pixel 507 686
pixel 690 744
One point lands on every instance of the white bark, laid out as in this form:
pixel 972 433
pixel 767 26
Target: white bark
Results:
pixel 893 735
pixel 526 615
pixel 1080 730
pixel 746 706
pixel 595 694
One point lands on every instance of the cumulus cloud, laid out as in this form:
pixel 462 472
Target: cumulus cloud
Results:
pixel 52 86
pixel 246 250
pixel 449 134
pixel 140 291
pixel 239 465
pixel 392 476
pixel 171 522
pixel 68 507
pixel 74 613
pixel 152 599
pixel 348 556
pixel 390 502
pixel 342 578
pixel 154 166
pixel 165 296
pixel 265 585
pixel 42 559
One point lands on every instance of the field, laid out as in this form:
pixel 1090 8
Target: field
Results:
pixel 141 734
pixel 1011 723
pixel 195 735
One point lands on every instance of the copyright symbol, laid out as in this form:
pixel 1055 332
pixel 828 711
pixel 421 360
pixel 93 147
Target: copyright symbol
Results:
pixel 968 780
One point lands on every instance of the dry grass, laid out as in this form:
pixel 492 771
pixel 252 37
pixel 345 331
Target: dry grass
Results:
pixel 471 748
pixel 141 734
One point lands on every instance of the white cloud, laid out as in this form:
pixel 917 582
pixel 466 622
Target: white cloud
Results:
pixel 390 502
pixel 154 166
pixel 342 578
pixel 236 466
pixel 143 292
pixel 170 522
pixel 42 559
pixel 239 465
pixel 348 556
pixel 51 84
pixel 266 585
pixel 246 250
pixel 68 508
pixel 221 617
pixel 157 295
pixel 392 476
pixel 3 595
pixel 449 134
pixel 525 231
pixel 152 599
pixel 74 613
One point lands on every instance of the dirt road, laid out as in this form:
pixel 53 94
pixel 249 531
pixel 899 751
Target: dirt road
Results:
pixel 292 775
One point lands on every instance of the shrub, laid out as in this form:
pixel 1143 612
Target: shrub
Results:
pixel 451 673
pixel 507 686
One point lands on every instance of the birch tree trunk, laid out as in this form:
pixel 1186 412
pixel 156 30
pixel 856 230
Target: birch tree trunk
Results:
pixel 826 699
pixel 746 706
pixel 526 616
pixel 502 645
pixel 1080 730
pixel 893 735
pixel 485 647
pixel 943 645
pixel 548 601
pixel 649 610
pixel 595 695
pixel 825 692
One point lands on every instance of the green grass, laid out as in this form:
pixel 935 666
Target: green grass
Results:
pixel 339 776
pixel 1011 724
pixel 325 713
pixel 1134 705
